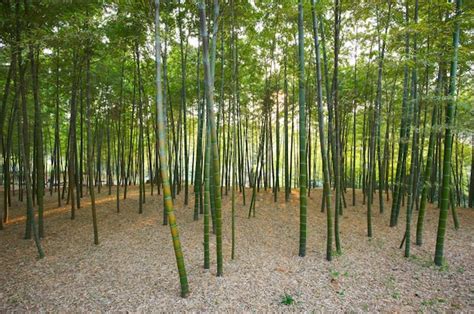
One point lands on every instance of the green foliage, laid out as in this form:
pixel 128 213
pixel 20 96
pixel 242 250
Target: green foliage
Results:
pixel 419 261
pixel 432 302
pixel 390 283
pixel 287 299
pixel 112 29
pixel 444 267
pixel 396 295
pixel 336 274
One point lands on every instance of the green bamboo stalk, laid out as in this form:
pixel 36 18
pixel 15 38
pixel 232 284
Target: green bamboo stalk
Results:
pixel 324 152
pixel 234 130
pixel 212 121
pixel 404 133
pixel 337 139
pixel 426 178
pixel 302 133
pixel 207 175
pixel 183 55
pixel 198 171
pixel 445 188
pixel 287 159
pixel 141 159
pixel 89 150
pixel 453 209
pixel 119 140
pixel 168 202
pixel 412 189
pixel 25 147
pixel 427 173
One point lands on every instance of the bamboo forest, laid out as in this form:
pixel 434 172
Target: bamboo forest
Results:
pixel 236 156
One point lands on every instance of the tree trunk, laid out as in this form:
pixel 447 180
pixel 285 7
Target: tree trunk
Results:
pixel 168 202
pixel 445 188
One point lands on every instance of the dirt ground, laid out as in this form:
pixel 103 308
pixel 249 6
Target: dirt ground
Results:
pixel 133 268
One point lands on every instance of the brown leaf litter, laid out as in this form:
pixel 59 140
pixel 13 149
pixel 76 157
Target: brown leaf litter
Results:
pixel 133 268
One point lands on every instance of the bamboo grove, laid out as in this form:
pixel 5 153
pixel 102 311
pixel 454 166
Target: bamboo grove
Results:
pixel 220 99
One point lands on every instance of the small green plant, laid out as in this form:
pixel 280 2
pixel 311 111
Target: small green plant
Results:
pixel 428 302
pixel 334 274
pixel 396 295
pixel 457 306
pixel 287 299
pixel 420 262
pixel 341 292
pixel 390 282
pixel 14 300
pixel 461 270
pixel 431 302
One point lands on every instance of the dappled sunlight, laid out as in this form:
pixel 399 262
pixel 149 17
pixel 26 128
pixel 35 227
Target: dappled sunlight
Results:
pixel 85 204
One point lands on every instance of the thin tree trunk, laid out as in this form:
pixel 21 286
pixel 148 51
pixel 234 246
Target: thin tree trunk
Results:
pixel 302 133
pixel 168 202
pixel 215 152
pixel 445 188
pixel 25 147
pixel 322 141
pixel 89 149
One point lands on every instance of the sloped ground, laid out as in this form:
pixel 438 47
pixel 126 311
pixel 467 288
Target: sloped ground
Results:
pixel 133 268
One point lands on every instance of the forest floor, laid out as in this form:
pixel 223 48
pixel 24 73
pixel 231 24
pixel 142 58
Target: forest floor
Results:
pixel 134 269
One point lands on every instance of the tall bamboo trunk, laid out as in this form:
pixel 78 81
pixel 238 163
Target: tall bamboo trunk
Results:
pixel 168 202
pixel 322 141
pixel 89 149
pixel 302 133
pixel 445 188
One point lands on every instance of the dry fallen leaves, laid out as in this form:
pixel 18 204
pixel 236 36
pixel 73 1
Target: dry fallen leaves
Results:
pixel 133 268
